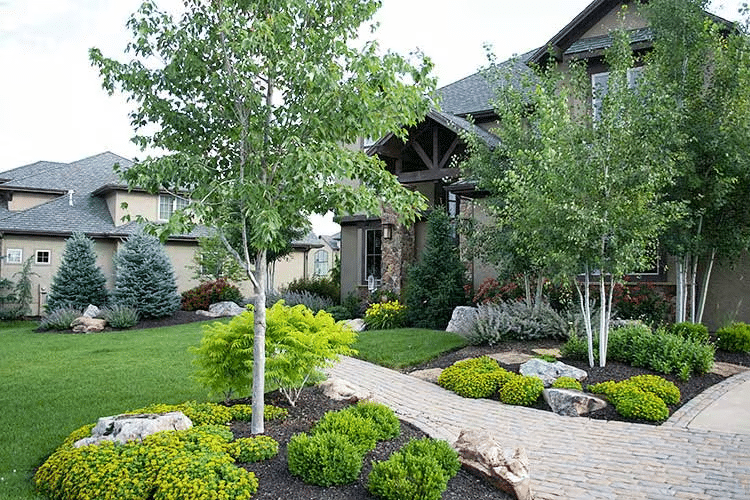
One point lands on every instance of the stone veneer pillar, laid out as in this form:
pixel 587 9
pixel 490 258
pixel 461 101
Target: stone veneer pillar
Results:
pixel 396 253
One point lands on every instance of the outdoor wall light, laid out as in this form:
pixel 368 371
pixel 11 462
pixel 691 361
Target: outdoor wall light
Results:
pixel 387 231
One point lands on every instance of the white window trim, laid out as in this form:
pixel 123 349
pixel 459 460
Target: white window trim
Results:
pixel 174 202
pixel 318 263
pixel 49 257
pixel 14 251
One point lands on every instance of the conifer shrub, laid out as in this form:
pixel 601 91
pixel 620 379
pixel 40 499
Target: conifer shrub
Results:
pixel 79 281
pixel 324 459
pixel 474 378
pixel 144 277
pixel 734 338
pixel 521 390
pixel 210 292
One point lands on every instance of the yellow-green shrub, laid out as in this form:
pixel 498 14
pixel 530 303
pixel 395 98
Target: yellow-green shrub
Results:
pixel 640 397
pixel 385 315
pixel 212 413
pixel 521 390
pixel 474 378
pixel 567 383
pixel 658 386
pixel 253 449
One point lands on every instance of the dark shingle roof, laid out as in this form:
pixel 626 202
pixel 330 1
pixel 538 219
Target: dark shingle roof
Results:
pixel 603 42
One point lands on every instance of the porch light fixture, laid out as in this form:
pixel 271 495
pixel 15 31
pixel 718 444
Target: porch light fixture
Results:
pixel 387 231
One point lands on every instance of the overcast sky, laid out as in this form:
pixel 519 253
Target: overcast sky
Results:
pixel 52 106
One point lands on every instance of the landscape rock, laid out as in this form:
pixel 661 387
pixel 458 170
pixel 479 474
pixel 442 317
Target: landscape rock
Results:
pixel 88 325
pixel 341 390
pixel 482 454
pixel 430 375
pixel 201 312
pixel 511 357
pixel 91 311
pixel 358 325
pixel 226 308
pixel 572 403
pixel 462 319
pixel 124 428
pixel 555 353
pixel 549 372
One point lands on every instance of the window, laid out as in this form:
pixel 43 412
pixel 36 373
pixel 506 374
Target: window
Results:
pixel 599 88
pixel 373 254
pixel 43 257
pixel 14 256
pixel 168 204
pixel 321 263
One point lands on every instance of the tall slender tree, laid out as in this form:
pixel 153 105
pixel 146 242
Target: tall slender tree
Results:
pixel 79 281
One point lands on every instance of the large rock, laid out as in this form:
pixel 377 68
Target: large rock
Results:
pixel 88 325
pixel 226 308
pixel 124 428
pixel 91 311
pixel 429 375
pixel 341 390
pixel 462 319
pixel 572 403
pixel 482 454
pixel 358 325
pixel 549 372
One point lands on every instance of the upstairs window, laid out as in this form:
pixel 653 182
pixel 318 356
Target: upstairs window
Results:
pixel 168 204
pixel 321 263
pixel 599 88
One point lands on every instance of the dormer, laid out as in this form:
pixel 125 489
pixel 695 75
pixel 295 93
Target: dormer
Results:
pixel 18 199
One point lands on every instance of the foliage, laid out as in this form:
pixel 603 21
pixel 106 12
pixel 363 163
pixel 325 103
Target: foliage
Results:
pixel 641 301
pixel 324 286
pixel 22 288
pixel 9 307
pixel 324 459
pixel 210 292
pixel 574 348
pixel 59 319
pixel 445 456
pixel 517 320
pixel 213 262
pixel 144 277
pixel 210 413
pixel 435 284
pixel 359 430
pixel 382 418
pixel 298 344
pixel 567 383
pixel 491 290
pixel 79 281
pixel 118 316
pixel 253 449
pixel 663 388
pixel 693 331
pixel 307 299
pixel 474 378
pixel 353 304
pixel 339 313
pixel 521 390
pixel 641 397
pixel 385 315
pixel 734 338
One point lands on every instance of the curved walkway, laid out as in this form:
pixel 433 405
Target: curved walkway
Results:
pixel 574 458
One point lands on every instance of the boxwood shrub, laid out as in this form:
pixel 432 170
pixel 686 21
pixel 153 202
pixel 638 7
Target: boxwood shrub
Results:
pixel 521 390
pixel 474 378
pixel 324 458
pixel 734 338
pixel 641 397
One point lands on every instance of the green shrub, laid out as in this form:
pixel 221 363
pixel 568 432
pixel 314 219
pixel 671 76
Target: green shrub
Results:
pixel 522 390
pixel 692 331
pixel 575 348
pixel 445 456
pixel 118 316
pixel 324 459
pixel 516 320
pixel 253 449
pixel 385 315
pixel 383 419
pixel 320 286
pixel 339 313
pixel 210 292
pixel 407 477
pixel 474 378
pixel 658 386
pixel 212 413
pixel 79 281
pixel 734 338
pixel 567 383
pixel 632 402
pixel 360 431
pixel 59 319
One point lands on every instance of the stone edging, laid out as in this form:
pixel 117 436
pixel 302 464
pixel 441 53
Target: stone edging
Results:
pixel 682 417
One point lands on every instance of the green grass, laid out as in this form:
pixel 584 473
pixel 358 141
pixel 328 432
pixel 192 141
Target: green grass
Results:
pixel 405 347
pixel 54 383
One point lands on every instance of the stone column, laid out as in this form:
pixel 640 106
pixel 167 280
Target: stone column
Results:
pixel 397 253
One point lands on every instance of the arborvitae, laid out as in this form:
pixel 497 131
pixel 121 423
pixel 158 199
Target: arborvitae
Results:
pixel 144 277
pixel 435 284
pixel 79 281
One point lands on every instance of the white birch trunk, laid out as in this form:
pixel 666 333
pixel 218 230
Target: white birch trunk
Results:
pixel 704 285
pixel 603 323
pixel 585 303
pixel 259 346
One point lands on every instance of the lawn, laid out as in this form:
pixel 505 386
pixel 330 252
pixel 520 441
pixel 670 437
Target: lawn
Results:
pixel 54 383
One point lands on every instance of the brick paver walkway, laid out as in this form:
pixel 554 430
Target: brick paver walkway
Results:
pixel 572 458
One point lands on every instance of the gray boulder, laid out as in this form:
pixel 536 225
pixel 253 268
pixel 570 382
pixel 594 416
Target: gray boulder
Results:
pixel 341 390
pixel 358 325
pixel 462 319
pixel 88 325
pixel 572 403
pixel 226 308
pixel 91 311
pixel 549 372
pixel 124 428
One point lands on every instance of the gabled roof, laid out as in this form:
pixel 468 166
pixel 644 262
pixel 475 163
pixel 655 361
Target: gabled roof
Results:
pixel 309 241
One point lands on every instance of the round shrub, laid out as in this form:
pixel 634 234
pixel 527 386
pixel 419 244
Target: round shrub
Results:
pixel 734 338
pixel 693 331
pixel 445 456
pixel 210 292
pixel 658 386
pixel 522 390
pixel 253 449
pixel 324 459
pixel 567 383
pixel 407 477
pixel 474 378
pixel 385 422
pixel 360 431
pixel 632 402
pixel 385 315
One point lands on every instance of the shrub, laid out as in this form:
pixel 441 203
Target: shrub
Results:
pixel 253 449
pixel 144 277
pixel 641 301
pixel 445 456
pixel 59 319
pixel 693 331
pixel 567 383
pixel 435 284
pixel 211 413
pixel 576 347
pixel 517 320
pixel 307 299
pixel 79 281
pixel 210 292
pixel 324 459
pixel 118 316
pixel 641 397
pixel 407 477
pixel 385 315
pixel 734 338
pixel 339 313
pixel 474 378
pixel 492 291
pixel 521 390
pixel 360 431
pixel 354 304
pixel 383 419
pixel 321 286
pixel 663 388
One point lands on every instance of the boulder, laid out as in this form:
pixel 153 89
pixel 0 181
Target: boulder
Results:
pixel 91 311
pixel 482 454
pixel 462 319
pixel 430 375
pixel 358 325
pixel 124 428
pixel 572 403
pixel 341 390
pixel 226 308
pixel 87 325
pixel 201 312
pixel 549 372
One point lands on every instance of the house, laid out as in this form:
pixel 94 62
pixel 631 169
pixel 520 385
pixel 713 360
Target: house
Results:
pixel 42 204
pixel 311 257
pixel 380 249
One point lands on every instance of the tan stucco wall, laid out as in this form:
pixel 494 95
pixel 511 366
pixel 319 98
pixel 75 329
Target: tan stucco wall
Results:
pixel 144 204
pixel 728 297
pixel 351 244
pixel 289 268
pixel 24 201
pixel 632 20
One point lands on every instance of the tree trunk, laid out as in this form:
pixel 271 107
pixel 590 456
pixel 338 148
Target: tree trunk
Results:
pixel 539 290
pixel 704 285
pixel 603 320
pixel 259 346
pixel 584 299
pixel 527 287
pixel 680 290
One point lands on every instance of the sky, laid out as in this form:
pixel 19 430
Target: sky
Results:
pixel 52 106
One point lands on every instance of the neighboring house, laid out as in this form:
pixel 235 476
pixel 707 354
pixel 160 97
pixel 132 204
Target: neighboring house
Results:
pixel 311 257
pixel 380 248
pixel 42 204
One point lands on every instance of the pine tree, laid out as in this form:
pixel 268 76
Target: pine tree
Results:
pixel 436 283
pixel 144 277
pixel 79 281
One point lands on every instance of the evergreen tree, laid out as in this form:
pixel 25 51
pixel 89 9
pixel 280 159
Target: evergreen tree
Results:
pixel 145 278
pixel 79 281
pixel 436 283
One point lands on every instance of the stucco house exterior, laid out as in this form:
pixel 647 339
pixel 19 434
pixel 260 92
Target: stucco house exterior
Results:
pixel 379 247
pixel 311 257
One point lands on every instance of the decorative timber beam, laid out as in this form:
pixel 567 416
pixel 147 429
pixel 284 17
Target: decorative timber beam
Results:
pixel 427 175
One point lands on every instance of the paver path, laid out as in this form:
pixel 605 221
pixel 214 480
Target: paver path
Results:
pixel 573 458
